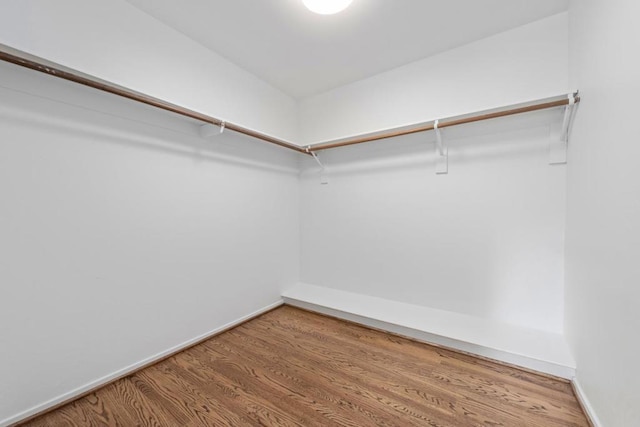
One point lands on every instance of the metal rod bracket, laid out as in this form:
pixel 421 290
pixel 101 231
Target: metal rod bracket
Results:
pixel 209 130
pixel 324 179
pixel 442 152
pixel 559 143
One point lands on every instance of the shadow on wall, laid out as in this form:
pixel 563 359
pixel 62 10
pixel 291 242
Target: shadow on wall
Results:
pixel 83 112
pixel 502 138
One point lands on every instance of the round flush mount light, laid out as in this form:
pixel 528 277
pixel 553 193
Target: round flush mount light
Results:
pixel 326 7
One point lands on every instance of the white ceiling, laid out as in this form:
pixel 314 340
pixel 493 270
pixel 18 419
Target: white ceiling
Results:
pixel 303 54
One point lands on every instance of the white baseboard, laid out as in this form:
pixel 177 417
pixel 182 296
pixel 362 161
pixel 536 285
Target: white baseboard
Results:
pixel 121 373
pixel 530 349
pixel 586 405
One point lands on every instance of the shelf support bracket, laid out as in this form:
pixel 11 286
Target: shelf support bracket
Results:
pixel 324 179
pixel 442 152
pixel 560 143
pixel 208 130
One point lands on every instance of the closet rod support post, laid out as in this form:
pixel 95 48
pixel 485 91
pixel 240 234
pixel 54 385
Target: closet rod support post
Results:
pixel 442 152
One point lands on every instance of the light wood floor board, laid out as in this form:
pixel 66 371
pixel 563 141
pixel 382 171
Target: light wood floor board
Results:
pixel 290 367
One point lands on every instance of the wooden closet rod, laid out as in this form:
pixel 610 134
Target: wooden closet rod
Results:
pixel 37 64
pixel 444 123
pixel 28 61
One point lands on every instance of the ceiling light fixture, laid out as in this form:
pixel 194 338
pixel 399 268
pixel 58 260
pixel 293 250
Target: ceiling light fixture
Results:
pixel 326 7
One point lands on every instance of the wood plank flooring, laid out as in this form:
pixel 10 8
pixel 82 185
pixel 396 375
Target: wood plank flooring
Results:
pixel 294 368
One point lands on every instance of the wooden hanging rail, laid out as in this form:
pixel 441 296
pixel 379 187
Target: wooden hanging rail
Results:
pixel 37 64
pixel 443 123
pixel 22 59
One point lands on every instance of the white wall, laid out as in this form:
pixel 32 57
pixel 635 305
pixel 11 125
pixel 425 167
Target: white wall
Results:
pixel 120 239
pixel 519 65
pixel 603 222
pixel 486 240
pixel 117 42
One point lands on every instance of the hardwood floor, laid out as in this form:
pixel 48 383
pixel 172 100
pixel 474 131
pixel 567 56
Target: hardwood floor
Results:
pixel 294 368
